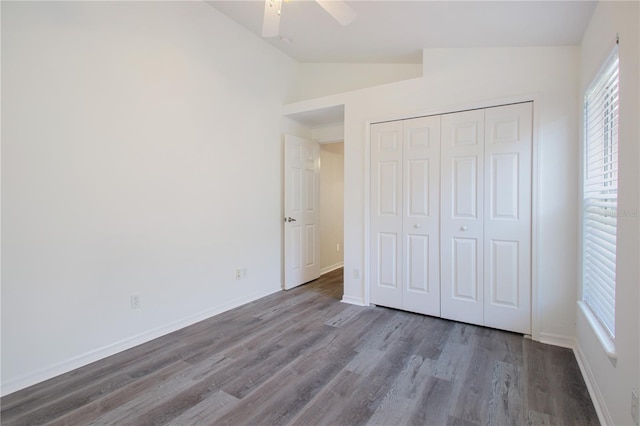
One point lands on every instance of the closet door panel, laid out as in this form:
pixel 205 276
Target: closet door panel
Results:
pixel 464 267
pixel 387 257
pixel 507 269
pixel 421 233
pixel 462 216
pixel 386 214
pixel 465 187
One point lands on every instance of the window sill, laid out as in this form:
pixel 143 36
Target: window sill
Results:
pixel 605 340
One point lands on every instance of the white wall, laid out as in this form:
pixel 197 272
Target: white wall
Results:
pixel 322 79
pixel 331 205
pixel 330 133
pixel 141 154
pixel 613 381
pixel 462 78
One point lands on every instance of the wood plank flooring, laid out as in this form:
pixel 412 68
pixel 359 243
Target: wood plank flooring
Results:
pixel 303 358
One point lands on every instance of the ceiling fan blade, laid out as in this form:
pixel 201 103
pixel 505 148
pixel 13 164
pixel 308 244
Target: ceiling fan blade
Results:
pixel 339 10
pixel 271 23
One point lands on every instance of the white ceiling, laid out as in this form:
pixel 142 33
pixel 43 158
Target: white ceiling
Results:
pixel 396 31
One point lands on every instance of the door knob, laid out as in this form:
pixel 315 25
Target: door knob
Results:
pixel 417 225
pixel 463 228
pixel 289 219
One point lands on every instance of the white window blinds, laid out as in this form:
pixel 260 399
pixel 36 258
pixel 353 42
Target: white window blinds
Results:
pixel 600 194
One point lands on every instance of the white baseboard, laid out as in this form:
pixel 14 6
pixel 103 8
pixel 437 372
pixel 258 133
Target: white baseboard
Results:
pixel 558 340
pixel 330 268
pixel 353 300
pixel 65 366
pixel 594 392
pixel 604 416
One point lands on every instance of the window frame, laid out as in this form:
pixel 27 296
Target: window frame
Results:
pixel 599 201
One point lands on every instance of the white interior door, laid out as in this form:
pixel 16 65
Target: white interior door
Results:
pixel 507 229
pixel 386 214
pixel 421 215
pixel 301 209
pixel 462 211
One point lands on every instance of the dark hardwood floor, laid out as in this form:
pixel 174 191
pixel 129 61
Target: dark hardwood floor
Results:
pixel 302 357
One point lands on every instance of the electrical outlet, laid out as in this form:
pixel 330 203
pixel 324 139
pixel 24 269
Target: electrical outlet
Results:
pixel 356 274
pixel 635 406
pixel 244 273
pixel 136 301
pixel 238 274
pixel 338 247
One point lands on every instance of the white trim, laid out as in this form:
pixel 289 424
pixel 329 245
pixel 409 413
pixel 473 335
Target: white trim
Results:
pixel 65 366
pixel 608 345
pixel 558 340
pixel 353 300
pixel 458 107
pixel 366 281
pixel 604 416
pixel 330 268
pixel 535 215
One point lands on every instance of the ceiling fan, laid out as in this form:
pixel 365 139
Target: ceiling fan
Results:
pixel 338 9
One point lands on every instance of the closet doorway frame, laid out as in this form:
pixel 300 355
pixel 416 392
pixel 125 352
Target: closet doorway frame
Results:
pixel 535 187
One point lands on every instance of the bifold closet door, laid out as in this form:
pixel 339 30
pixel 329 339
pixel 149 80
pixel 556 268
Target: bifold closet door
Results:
pixel 405 190
pixel 507 217
pixel 451 216
pixel 462 216
pixel 486 217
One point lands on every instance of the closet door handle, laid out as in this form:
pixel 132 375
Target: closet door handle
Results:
pixel 417 225
pixel 463 228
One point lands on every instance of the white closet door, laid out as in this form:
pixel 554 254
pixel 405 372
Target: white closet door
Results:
pixel 421 233
pixel 507 232
pixel 386 214
pixel 462 216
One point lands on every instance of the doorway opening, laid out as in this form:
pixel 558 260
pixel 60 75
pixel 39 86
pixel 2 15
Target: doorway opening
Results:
pixel 314 243
pixel 331 206
pixel 332 215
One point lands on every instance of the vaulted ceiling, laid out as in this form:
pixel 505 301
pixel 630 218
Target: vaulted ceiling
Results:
pixel 396 31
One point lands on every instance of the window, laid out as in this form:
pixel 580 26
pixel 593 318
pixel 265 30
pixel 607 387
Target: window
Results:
pixel 600 195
